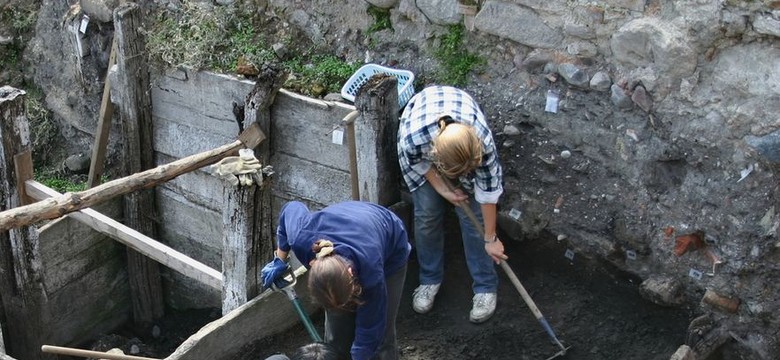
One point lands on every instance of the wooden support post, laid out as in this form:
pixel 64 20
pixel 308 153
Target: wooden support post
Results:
pixel 247 218
pixel 21 289
pixel 136 114
pixel 376 132
pixel 104 126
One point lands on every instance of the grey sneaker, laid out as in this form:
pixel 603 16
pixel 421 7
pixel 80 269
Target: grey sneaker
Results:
pixel 484 305
pixel 422 301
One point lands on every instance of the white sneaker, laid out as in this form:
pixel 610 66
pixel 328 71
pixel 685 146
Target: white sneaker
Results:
pixel 422 301
pixel 484 304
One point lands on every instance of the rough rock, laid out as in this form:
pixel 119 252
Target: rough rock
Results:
pixel 100 10
pixel 517 23
pixel 573 74
pixel 78 163
pixel 767 146
pixel 384 4
pixel 600 81
pixel 664 291
pixel 442 12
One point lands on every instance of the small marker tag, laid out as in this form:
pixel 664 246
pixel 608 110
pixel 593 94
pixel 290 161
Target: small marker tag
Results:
pixel 84 23
pixel 696 274
pixel 630 254
pixel 515 214
pixel 338 137
pixel 552 102
pixel 569 254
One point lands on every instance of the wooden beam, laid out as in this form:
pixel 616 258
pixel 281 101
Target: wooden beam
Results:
pixel 145 245
pixel 247 216
pixel 354 177
pixel 89 353
pixel 135 111
pixel 377 131
pixel 104 126
pixel 69 202
pixel 23 166
pixel 21 288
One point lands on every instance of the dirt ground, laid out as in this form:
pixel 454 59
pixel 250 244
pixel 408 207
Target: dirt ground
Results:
pixel 592 307
pixel 597 312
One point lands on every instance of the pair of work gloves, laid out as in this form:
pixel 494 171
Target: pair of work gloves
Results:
pixel 243 169
pixel 273 273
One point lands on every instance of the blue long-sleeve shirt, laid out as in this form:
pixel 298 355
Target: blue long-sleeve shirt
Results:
pixel 368 235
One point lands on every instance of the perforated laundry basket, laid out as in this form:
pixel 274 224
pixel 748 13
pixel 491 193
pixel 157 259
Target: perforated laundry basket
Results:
pixel 405 82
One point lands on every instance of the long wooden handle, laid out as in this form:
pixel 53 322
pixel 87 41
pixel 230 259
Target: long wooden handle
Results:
pixel 90 354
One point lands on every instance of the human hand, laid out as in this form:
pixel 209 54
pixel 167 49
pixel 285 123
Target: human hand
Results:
pixel 496 250
pixel 272 271
pixel 457 197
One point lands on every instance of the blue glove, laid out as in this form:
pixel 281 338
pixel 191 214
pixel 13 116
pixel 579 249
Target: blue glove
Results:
pixel 272 271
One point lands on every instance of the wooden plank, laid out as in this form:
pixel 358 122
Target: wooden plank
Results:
pixel 145 245
pixel 377 127
pixel 104 126
pixel 305 131
pixel 202 225
pixel 23 166
pixel 67 203
pixel 178 140
pixel 297 178
pixel 225 337
pixel 135 113
pixel 247 220
pixel 96 303
pixel 198 187
pixel 21 289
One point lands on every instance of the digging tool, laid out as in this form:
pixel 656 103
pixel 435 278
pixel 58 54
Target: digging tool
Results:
pixel 516 282
pixel 287 284
pixel 89 353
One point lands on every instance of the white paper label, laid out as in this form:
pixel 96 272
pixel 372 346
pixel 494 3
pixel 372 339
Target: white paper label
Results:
pixel 630 255
pixel 552 102
pixel 338 137
pixel 569 254
pixel 696 274
pixel 84 23
pixel 515 214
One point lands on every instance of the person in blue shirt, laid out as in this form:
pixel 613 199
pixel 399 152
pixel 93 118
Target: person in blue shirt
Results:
pixel 356 253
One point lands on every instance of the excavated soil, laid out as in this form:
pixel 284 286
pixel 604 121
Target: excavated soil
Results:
pixel 592 308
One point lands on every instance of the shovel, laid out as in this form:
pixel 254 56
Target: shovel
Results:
pixel 516 282
pixel 286 284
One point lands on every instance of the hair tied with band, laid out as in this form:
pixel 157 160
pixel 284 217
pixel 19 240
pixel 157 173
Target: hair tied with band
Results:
pixel 323 248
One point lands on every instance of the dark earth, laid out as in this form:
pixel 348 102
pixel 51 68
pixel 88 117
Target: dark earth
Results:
pixel 592 307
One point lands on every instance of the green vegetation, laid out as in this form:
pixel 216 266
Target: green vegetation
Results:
pixel 316 75
pixel 59 183
pixel 43 128
pixel 456 62
pixel 22 20
pixel 381 19
pixel 217 38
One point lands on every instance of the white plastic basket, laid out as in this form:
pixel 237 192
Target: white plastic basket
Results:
pixel 405 82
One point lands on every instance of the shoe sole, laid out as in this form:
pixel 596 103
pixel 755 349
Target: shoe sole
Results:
pixel 480 321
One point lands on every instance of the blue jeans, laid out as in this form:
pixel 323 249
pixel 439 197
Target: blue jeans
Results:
pixel 429 210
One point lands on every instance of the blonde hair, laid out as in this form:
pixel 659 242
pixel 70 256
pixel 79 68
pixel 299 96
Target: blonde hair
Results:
pixel 456 150
pixel 330 282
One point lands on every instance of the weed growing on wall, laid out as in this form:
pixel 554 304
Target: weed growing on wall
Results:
pixel 215 39
pixel 59 183
pixel 381 19
pixel 456 62
pixel 43 129
pixel 22 22
pixel 317 75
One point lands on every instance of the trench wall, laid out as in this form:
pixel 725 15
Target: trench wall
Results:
pixel 193 112
pixel 85 278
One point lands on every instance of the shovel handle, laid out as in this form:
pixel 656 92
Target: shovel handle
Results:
pixel 89 354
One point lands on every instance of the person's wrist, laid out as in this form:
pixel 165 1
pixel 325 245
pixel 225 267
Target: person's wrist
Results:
pixel 489 239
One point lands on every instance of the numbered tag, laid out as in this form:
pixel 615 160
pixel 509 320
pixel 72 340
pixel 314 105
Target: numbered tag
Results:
pixel 696 274
pixel 630 254
pixel 569 254
pixel 338 137
pixel 515 214
pixel 552 102
pixel 84 23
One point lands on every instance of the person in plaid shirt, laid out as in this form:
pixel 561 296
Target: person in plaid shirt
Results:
pixel 443 134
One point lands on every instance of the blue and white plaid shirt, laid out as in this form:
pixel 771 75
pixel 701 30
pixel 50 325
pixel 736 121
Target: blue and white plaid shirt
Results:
pixel 419 126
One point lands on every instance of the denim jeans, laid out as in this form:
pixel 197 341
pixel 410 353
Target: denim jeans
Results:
pixel 429 210
pixel 340 324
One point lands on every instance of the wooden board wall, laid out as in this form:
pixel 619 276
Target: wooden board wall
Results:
pixel 194 112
